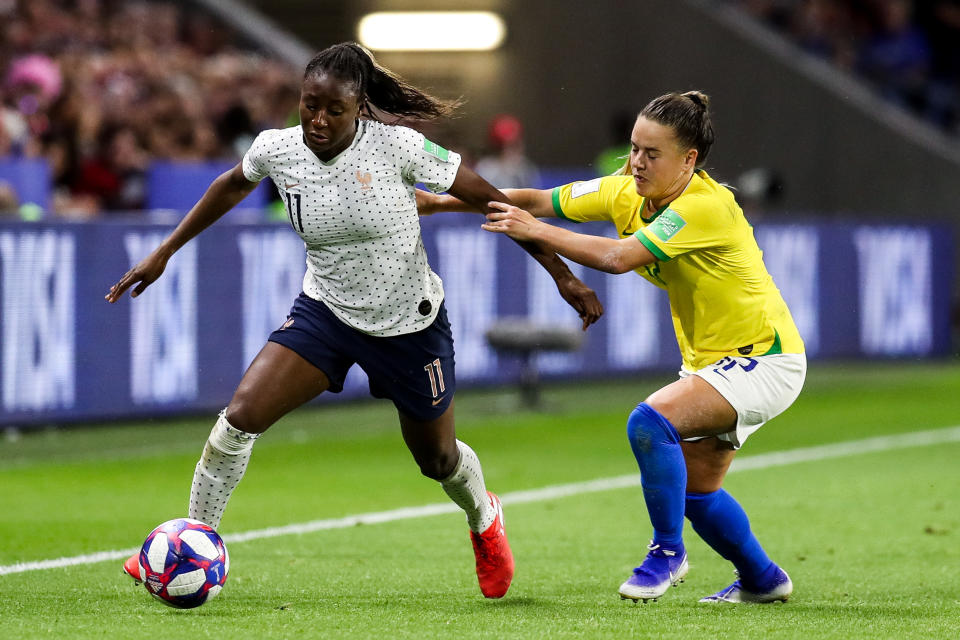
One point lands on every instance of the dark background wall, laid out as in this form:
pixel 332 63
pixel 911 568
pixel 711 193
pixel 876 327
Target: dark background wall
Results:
pixel 568 65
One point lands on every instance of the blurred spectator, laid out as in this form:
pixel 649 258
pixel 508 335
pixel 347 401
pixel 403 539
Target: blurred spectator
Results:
pixel 941 21
pixel 910 51
pixel 824 28
pixel 159 81
pixel 507 165
pixel 758 191
pixel 31 84
pixel 9 202
pixel 614 157
pixel 116 175
pixel 897 57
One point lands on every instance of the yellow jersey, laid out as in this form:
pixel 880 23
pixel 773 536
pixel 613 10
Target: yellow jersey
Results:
pixel 723 301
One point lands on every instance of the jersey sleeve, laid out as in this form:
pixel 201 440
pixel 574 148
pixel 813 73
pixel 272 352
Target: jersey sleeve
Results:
pixel 255 166
pixel 591 200
pixel 425 161
pixel 686 226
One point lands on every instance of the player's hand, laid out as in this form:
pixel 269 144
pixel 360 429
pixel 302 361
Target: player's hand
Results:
pixel 582 298
pixel 142 275
pixel 511 220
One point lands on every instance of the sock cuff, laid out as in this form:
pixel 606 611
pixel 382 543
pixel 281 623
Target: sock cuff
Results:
pixel 653 417
pixel 465 452
pixel 229 440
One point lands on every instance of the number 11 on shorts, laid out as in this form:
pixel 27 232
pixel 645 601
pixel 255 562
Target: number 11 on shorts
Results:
pixel 435 373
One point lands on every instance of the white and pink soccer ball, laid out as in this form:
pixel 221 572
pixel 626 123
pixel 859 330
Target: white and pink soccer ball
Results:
pixel 184 563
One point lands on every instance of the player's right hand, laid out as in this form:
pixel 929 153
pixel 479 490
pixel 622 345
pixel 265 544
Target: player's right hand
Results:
pixel 142 275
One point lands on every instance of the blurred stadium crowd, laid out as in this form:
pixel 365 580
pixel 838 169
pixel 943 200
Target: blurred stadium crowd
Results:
pixel 908 51
pixel 99 88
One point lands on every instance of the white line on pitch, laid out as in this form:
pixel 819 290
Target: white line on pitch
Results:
pixel 761 461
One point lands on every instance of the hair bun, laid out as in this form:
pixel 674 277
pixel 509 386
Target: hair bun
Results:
pixel 698 98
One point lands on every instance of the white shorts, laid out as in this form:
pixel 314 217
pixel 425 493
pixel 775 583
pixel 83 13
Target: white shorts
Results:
pixel 759 388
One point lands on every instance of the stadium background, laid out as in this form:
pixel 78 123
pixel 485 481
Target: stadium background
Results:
pixel 853 195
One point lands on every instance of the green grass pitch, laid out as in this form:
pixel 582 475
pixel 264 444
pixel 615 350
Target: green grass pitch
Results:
pixel 870 538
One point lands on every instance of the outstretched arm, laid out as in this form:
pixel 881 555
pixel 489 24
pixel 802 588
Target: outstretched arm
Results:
pixel 223 194
pixel 597 252
pixel 539 202
pixel 477 193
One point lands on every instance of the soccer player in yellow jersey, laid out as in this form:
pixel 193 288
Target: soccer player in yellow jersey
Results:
pixel 743 359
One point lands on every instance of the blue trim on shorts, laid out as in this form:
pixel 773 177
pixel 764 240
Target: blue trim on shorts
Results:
pixel 415 370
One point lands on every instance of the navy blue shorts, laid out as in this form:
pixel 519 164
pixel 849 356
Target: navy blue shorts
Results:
pixel 415 370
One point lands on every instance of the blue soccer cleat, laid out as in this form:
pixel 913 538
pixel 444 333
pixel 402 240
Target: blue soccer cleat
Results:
pixel 661 569
pixel 778 589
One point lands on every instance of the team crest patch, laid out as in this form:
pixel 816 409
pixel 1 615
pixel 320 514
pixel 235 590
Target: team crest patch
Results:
pixel 667 225
pixel 435 150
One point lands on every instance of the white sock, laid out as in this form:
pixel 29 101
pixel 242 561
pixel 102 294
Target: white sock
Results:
pixel 466 488
pixel 221 466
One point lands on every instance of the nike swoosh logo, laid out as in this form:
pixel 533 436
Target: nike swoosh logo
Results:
pixel 438 400
pixel 290 186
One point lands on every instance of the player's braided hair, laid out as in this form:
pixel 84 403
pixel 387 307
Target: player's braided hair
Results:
pixel 377 87
pixel 688 114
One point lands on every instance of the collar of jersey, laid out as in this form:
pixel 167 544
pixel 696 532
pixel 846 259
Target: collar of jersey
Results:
pixel 643 202
pixel 333 161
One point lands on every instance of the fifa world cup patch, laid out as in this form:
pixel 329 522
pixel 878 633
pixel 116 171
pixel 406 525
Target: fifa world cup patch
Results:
pixel 435 150
pixel 667 225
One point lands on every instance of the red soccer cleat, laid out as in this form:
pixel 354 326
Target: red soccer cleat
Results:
pixel 494 559
pixel 132 567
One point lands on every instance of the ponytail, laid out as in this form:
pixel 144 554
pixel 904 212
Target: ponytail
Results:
pixel 379 89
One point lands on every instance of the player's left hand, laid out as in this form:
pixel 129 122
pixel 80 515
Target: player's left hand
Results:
pixel 511 220
pixel 582 298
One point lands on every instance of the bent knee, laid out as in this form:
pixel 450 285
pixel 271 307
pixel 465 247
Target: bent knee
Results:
pixel 246 415
pixel 438 466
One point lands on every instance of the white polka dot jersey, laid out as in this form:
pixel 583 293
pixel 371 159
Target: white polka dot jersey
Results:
pixel 357 215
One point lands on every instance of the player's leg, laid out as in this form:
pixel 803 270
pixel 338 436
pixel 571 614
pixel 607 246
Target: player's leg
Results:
pixel 301 359
pixel 277 381
pixel 455 465
pixel 760 388
pixel 685 408
pixel 723 524
pixel 416 371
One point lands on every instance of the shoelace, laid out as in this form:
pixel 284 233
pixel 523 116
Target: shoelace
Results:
pixel 657 551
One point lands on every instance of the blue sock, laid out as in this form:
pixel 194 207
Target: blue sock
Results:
pixel 663 473
pixel 723 524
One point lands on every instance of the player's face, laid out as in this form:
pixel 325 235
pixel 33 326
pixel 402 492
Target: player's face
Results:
pixel 329 108
pixel 659 166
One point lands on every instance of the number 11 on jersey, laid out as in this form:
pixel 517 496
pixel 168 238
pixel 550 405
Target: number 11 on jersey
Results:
pixel 436 379
pixel 291 201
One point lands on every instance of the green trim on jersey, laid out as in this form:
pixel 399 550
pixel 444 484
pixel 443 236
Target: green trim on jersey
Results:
pixel 656 214
pixel 775 347
pixel 654 249
pixel 557 209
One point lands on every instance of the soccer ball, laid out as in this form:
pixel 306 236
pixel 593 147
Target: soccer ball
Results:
pixel 184 563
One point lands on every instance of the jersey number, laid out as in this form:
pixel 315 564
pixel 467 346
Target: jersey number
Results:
pixel 726 363
pixel 294 199
pixel 436 379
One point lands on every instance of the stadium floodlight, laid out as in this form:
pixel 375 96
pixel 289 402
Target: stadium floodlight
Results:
pixel 431 31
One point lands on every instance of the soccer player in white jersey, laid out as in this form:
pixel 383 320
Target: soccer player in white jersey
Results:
pixel 369 295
